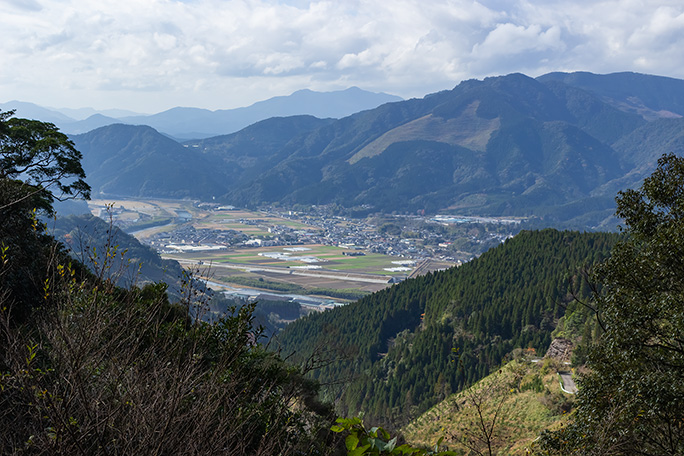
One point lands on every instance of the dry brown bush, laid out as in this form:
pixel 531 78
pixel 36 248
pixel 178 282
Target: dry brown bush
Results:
pixel 101 370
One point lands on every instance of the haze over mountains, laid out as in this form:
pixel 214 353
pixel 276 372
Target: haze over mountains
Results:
pixel 557 148
pixel 187 123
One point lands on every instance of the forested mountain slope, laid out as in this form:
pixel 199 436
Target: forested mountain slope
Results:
pixel 504 146
pixel 650 96
pixel 552 148
pixel 90 240
pixel 240 157
pixel 405 348
pixel 139 161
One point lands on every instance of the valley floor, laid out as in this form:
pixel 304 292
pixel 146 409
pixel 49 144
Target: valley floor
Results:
pixel 313 251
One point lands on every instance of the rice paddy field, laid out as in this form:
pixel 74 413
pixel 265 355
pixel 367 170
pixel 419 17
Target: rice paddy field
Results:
pixel 313 257
pixel 310 266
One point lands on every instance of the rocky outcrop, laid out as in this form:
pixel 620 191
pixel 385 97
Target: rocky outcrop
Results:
pixel 560 349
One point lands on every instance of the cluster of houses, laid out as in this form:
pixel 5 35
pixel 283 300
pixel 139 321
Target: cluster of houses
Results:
pixel 356 236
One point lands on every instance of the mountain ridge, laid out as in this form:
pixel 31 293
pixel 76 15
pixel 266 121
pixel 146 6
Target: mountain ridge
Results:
pixel 184 123
pixel 630 91
pixel 521 109
pixel 503 146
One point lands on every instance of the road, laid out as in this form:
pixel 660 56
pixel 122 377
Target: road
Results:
pixel 567 383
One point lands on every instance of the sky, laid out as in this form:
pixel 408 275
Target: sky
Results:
pixel 151 55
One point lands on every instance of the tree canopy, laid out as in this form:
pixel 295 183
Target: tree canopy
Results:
pixel 37 165
pixel 396 344
pixel 89 368
pixel 632 400
pixel 42 157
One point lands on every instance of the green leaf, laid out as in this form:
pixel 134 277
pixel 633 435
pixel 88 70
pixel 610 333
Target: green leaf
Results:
pixel 439 443
pixel 358 451
pixel 351 442
pixel 391 444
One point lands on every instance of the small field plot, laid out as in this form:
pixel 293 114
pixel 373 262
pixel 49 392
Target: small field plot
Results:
pixel 250 230
pixel 250 223
pixel 372 263
pixel 293 283
pixel 132 213
pixel 309 282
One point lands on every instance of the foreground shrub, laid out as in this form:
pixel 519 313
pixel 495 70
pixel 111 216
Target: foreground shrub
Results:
pixel 108 371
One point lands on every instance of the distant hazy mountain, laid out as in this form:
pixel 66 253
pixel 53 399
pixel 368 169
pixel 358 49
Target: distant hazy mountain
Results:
pixel 191 123
pixel 195 123
pixel 33 111
pixel 70 121
pixel 84 113
pixel 90 123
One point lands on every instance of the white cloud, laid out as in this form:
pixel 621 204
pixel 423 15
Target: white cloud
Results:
pixel 156 54
pixel 664 28
pixel 511 39
pixel 27 5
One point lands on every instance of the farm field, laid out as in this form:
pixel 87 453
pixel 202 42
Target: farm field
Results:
pixel 170 214
pixel 310 258
pixel 234 245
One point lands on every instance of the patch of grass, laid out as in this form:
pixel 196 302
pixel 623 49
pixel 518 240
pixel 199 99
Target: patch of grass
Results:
pixel 265 284
pixel 530 398
pixel 344 293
